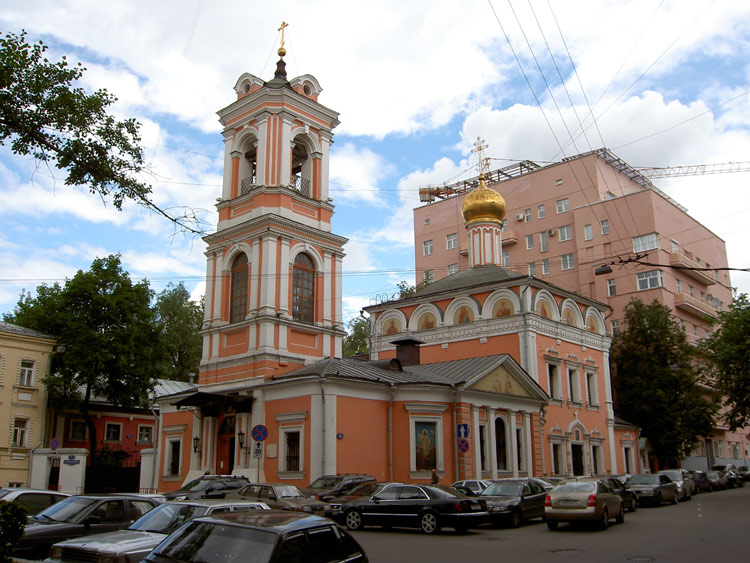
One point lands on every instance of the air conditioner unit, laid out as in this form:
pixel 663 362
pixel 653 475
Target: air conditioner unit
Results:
pixel 519 216
pixel 551 232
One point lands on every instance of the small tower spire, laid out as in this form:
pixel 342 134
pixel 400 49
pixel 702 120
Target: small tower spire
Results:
pixel 279 77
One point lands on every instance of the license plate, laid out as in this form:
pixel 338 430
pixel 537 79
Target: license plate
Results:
pixel 476 506
pixel 568 502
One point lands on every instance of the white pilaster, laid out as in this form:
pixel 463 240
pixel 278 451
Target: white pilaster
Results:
pixel 513 443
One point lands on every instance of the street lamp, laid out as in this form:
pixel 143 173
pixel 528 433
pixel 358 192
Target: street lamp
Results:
pixel 196 444
pixel 241 439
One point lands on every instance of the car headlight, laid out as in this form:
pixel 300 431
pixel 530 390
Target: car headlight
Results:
pixel 55 552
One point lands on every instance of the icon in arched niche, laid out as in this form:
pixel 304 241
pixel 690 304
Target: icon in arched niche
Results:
pixel 592 325
pixel 568 318
pixel 503 308
pixel 426 322
pixel 391 326
pixel 542 310
pixel 463 315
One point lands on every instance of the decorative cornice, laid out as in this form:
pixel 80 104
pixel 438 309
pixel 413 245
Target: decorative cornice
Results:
pixel 428 408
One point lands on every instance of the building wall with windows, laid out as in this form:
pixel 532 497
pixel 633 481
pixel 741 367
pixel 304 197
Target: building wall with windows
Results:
pixel 24 363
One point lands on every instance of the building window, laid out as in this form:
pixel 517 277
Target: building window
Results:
pixel 605 226
pixel 303 289
pixel 427 248
pixel 501 445
pixel 506 258
pixel 563 205
pixel 558 182
pixel 596 453
pixel 78 431
pixel 145 434
pixel 568 261
pixel 611 288
pixel 649 280
pixel 565 233
pixel 678 285
pixel 527 215
pixel 532 268
pixel 238 307
pixel 428 276
pixel 543 241
pixel 529 242
pixel 588 232
pixel 292 455
pixel 112 431
pixel 646 242
pixel 691 291
pixel 545 266
pixel 173 456
pixel 451 241
pixel 483 447
pixel 553 380
pixel 574 386
pixel 519 450
pixel 615 328
pixel 452 269
pixel 20 429
pixel 675 246
pixel 592 396
pixel 557 459
pixel 540 211
pixel 26 373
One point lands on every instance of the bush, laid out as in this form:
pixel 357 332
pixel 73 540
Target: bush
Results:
pixel 12 521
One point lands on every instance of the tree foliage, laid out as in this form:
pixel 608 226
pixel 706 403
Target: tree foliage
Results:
pixel 357 340
pixel 655 380
pixel 44 115
pixel 13 518
pixel 727 351
pixel 178 322
pixel 106 341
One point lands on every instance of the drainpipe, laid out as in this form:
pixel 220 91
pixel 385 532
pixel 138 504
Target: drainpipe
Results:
pixel 455 433
pixel 525 332
pixel 390 432
pixel 324 423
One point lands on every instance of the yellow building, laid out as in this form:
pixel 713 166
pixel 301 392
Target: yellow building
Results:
pixel 24 363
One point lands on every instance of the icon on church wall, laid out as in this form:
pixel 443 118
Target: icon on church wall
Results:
pixel 426 322
pixel 503 308
pixel 542 310
pixel 463 315
pixel 426 448
pixel 391 326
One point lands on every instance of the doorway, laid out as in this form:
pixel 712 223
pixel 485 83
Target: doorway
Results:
pixel 576 452
pixel 225 447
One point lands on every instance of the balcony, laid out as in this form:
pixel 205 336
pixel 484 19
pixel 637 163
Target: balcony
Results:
pixel 683 263
pixel 302 185
pixel 509 237
pixel 694 306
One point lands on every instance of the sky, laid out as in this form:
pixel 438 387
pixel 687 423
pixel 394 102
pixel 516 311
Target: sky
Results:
pixel 660 83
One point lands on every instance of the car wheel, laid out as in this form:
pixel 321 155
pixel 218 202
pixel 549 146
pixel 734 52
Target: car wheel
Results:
pixel 353 519
pixel 552 524
pixel 658 500
pixel 633 505
pixel 515 519
pixel 675 499
pixel 620 519
pixel 604 522
pixel 428 523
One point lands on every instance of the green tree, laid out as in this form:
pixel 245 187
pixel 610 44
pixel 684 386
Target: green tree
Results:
pixel 655 381
pixel 105 338
pixel 178 322
pixel 12 521
pixel 357 339
pixel 44 115
pixel 727 352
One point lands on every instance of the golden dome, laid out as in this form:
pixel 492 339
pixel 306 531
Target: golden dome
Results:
pixel 483 205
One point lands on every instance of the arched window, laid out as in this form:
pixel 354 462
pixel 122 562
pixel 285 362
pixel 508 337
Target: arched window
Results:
pixel 301 169
pixel 303 289
pixel 501 444
pixel 238 308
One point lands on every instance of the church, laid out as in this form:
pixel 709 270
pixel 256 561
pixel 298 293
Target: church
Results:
pixel 483 374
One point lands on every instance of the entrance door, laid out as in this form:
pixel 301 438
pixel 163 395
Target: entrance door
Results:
pixel 225 447
pixel 576 451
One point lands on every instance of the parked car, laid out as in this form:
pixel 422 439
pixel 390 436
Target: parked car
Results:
pixel 280 497
pixel 208 486
pixel 682 479
pixel 702 484
pixel 329 486
pixel 34 500
pixel 79 515
pixel 427 507
pixel 652 488
pixel 627 494
pixel 476 486
pixel 513 501
pixel 369 488
pixel 270 537
pixel 550 483
pixel 730 472
pixel 135 542
pixel 583 500
pixel 718 480
pixel 744 472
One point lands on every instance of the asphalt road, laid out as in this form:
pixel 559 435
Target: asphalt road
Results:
pixel 710 527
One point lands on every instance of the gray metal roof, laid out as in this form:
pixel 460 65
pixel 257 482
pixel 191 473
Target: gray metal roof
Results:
pixel 479 275
pixel 15 329
pixel 163 387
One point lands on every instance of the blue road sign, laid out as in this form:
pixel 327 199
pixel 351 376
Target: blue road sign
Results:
pixel 463 430
pixel 259 433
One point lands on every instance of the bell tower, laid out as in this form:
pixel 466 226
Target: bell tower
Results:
pixel 273 279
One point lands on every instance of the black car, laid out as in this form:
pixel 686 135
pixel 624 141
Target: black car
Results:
pixel 427 507
pixel 367 489
pixel 80 515
pixel 513 501
pixel 273 537
pixel 208 486
pixel 629 499
pixel 329 486
pixel 702 484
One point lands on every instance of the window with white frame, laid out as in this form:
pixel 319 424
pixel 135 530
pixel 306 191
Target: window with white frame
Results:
pixel 427 248
pixel 173 465
pixel 588 232
pixel 78 431
pixel 26 373
pixel 291 457
pixel 627 453
pixel 545 266
pixel 558 460
pixel 527 215
pixel 112 431
pixel 567 261
pixel 529 242
pixel 501 444
pixel 145 434
pixel 540 211
pixel 646 242
pixel 20 431
pixel 543 241
pixel 649 280
pixel 532 268
pixel 451 241
pixel 483 457
pixel 553 381
pixel 452 269
pixel 615 328
pixel 611 288
pixel 592 394
pixel 691 291
pixel 675 246
pixel 574 385
pixel 520 457
pixel 596 460
pixel 605 226
pixel 563 205
pixel 678 285
pixel 565 233
pixel 506 258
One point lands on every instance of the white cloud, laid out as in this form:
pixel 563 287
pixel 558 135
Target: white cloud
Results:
pixel 355 175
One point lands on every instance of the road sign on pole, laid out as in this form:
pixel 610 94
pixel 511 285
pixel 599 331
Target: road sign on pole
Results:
pixel 258 450
pixel 259 432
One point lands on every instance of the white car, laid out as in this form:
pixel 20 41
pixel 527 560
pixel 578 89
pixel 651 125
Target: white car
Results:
pixel 137 541
pixel 35 500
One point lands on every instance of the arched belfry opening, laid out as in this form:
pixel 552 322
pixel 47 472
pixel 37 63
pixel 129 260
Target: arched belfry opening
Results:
pixel 301 169
pixel 248 171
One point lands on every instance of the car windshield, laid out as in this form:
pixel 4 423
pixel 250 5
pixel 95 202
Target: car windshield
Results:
pixel 166 518
pixel 196 485
pixel 674 475
pixel 512 489
pixel 325 483
pixel 713 474
pixel 644 479
pixel 576 487
pixel 367 489
pixel 288 491
pixel 441 491
pixel 66 510
pixel 207 541
pixel 4 492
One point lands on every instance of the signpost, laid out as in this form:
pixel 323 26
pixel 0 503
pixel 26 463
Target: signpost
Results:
pixel 259 434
